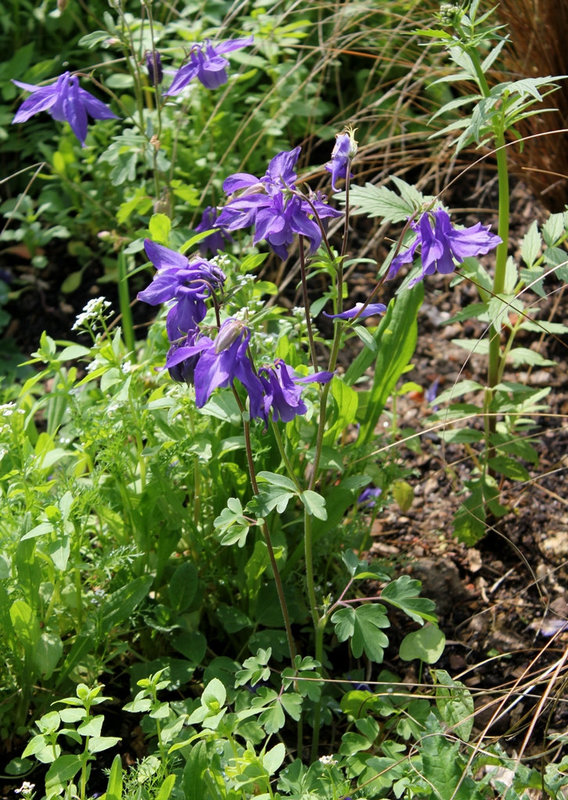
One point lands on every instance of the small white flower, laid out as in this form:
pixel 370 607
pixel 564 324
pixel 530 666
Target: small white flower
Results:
pixel 328 760
pixel 92 312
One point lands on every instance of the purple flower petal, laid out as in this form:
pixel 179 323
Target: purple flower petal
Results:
pixel 370 310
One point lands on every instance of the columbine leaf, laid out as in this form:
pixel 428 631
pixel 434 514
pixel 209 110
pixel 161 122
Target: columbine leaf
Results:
pixel 427 644
pixel 362 626
pixel 404 594
pixel 314 503
pixel 232 526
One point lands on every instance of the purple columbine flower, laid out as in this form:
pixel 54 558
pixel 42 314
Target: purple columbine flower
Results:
pixel 370 310
pixel 269 203
pixel 187 283
pixel 342 153
pixel 218 239
pixel 65 101
pixel 283 390
pixel 154 67
pixel 206 63
pixel 443 246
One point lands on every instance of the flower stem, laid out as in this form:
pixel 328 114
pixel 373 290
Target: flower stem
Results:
pixel 266 534
pixel 124 303
pixel 306 300
pixel 495 355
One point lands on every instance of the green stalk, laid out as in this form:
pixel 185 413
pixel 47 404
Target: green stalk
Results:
pixel 124 303
pixel 267 538
pixel 495 356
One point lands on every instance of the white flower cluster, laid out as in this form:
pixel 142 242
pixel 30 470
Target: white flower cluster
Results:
pixel 92 312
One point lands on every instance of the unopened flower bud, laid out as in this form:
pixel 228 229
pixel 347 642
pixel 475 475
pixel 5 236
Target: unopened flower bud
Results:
pixel 154 67
pixel 229 332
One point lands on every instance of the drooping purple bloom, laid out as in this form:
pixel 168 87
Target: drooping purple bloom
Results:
pixel 368 497
pixel 206 63
pixel 219 363
pixel 283 390
pixel 217 240
pixel 370 310
pixel 343 151
pixel 154 67
pixel 271 206
pixel 65 101
pixel 443 247
pixel 187 283
pixel 179 363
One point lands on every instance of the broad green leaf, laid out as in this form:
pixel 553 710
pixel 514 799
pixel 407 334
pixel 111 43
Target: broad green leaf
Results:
pixel 275 479
pixel 443 767
pixel 214 695
pixel 92 726
pixel 61 772
pixel 159 227
pixel 404 594
pixel 292 704
pixel 114 786
pixel 166 787
pixel 121 604
pixel 344 409
pixel 47 653
pixel 182 586
pixel 273 718
pixel 427 644
pixel 378 201
pixel 272 760
pixel 100 743
pixel 24 623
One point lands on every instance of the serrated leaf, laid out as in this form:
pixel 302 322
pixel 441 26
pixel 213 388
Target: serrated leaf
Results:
pixel 455 704
pixel 553 228
pixel 458 390
pixel 531 245
pixel 378 201
pixel 509 468
pixel 520 356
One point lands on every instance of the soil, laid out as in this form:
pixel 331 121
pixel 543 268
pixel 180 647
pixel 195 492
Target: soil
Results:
pixel 503 604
